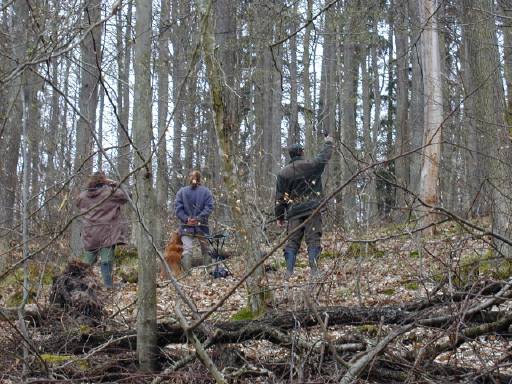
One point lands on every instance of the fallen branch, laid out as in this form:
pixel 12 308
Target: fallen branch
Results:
pixel 358 367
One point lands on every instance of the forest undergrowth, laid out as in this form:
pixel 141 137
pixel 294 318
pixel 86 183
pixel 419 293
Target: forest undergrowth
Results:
pixel 389 306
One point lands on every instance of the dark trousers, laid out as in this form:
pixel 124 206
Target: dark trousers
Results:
pixel 311 231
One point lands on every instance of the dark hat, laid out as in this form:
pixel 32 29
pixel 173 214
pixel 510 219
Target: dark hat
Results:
pixel 295 150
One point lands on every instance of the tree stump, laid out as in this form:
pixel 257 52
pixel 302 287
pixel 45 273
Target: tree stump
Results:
pixel 76 290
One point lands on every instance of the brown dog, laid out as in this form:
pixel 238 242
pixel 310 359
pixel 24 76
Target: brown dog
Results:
pixel 173 253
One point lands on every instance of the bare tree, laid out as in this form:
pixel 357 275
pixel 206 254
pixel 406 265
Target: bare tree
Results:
pixel 489 115
pixel 90 52
pixel 433 112
pixel 145 194
pixel 124 49
pixel 162 179
pixel 403 141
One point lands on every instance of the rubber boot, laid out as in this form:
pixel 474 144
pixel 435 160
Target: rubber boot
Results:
pixel 186 261
pixel 290 256
pixel 106 272
pixel 313 255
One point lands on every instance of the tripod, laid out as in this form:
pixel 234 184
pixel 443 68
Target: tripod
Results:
pixel 217 243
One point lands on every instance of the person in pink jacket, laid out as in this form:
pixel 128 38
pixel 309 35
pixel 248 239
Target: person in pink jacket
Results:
pixel 103 226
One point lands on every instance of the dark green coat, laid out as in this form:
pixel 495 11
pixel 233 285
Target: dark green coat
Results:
pixel 299 185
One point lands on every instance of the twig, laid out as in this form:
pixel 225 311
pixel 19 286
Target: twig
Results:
pixel 201 352
pixel 358 367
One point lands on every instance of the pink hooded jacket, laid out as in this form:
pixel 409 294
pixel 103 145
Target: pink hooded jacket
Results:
pixel 102 225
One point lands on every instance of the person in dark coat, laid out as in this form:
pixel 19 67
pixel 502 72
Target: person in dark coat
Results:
pixel 298 194
pixel 193 206
pixel 103 227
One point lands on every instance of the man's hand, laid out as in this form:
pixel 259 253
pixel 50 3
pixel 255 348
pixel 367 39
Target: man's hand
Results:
pixel 329 139
pixel 192 221
pixel 280 222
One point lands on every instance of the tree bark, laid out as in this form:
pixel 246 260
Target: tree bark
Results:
pixel 227 134
pixel 90 50
pixel 163 69
pixel 489 106
pixel 403 137
pixel 432 83
pixel 349 163
pixel 179 38
pixel 293 119
pixel 145 195
pixel 416 115
pixel 310 140
pixel 124 50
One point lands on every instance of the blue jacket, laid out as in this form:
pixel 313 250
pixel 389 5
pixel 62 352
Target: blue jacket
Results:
pixel 195 203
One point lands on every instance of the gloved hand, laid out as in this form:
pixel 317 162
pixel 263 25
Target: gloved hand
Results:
pixel 329 139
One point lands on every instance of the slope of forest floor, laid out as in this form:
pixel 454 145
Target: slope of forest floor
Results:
pixel 396 272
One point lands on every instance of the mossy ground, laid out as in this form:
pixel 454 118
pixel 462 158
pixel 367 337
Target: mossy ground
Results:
pixel 356 250
pixel 61 359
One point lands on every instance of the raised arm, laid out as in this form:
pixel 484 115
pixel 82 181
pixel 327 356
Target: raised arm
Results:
pixel 325 154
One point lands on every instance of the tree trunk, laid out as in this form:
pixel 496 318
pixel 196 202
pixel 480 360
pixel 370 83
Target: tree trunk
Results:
pixel 386 191
pixel 193 133
pixel 277 109
pixel 10 148
pixel 90 51
pixel 489 106
pixel 505 7
pixel 293 119
pixel 227 134
pixel 367 198
pixel 179 38
pixel 310 144
pixel 124 49
pixel 101 111
pixel 327 103
pixel 51 142
pixel 264 104
pixel 348 122
pixel 432 83
pixel 375 131
pixel 403 137
pixel 145 195
pixel 416 115
pixel 163 69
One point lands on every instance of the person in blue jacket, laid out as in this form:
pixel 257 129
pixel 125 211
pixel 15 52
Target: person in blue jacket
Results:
pixel 193 205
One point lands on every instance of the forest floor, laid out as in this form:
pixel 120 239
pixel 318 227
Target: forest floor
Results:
pixel 394 272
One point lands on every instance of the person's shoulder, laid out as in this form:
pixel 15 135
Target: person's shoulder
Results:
pixel 289 168
pixel 182 189
pixel 201 190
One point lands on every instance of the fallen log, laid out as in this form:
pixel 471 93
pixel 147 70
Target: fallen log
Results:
pixel 31 314
pixel 269 327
